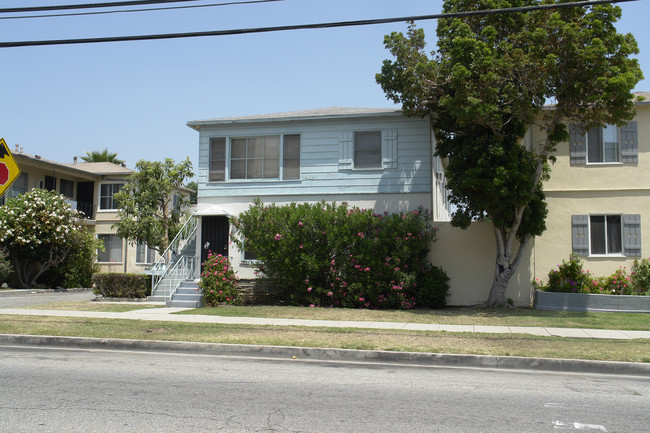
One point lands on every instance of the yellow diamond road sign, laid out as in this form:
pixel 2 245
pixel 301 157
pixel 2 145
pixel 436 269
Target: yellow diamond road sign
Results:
pixel 9 170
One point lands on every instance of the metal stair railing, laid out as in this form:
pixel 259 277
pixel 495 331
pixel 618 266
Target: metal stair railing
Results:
pixel 179 272
pixel 171 258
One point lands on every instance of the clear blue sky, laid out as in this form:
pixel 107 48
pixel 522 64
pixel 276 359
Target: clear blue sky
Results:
pixel 135 98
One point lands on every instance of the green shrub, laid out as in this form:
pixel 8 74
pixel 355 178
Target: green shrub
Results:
pixel 332 255
pixel 641 276
pixel 79 266
pixel 5 267
pixel 116 285
pixel 569 277
pixel 218 281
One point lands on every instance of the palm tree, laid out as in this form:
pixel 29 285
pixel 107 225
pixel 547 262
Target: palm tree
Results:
pixel 102 156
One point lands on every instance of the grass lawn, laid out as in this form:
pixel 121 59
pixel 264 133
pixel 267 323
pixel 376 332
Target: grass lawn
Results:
pixel 368 339
pixel 449 316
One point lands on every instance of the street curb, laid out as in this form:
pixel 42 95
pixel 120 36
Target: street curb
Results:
pixel 344 355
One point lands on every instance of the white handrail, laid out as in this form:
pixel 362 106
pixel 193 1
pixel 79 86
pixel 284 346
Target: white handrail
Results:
pixel 161 269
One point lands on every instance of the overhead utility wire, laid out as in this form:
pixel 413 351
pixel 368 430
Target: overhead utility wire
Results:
pixel 139 10
pixel 90 5
pixel 306 26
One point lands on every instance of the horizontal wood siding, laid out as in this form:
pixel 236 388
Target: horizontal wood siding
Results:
pixel 319 154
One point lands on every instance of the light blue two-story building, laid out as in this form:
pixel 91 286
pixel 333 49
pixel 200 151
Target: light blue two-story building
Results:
pixel 371 158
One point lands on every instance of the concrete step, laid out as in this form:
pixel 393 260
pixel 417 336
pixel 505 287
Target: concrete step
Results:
pixel 184 304
pixel 188 291
pixel 190 297
pixel 157 298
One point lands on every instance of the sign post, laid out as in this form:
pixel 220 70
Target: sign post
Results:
pixel 9 170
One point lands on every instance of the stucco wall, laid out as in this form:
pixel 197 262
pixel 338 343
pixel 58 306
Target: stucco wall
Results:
pixel 600 189
pixel 468 257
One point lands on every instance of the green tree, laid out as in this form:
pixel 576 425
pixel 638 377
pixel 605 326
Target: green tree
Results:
pixel 148 209
pixel 194 186
pixel 39 231
pixel 488 82
pixel 102 156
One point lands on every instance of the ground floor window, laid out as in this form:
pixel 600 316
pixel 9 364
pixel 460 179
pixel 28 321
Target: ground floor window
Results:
pixel 144 254
pixel 112 249
pixel 606 234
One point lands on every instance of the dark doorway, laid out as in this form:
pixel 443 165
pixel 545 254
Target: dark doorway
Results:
pixel 214 236
pixel 85 192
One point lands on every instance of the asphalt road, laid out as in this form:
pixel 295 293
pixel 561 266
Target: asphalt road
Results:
pixel 23 298
pixel 55 390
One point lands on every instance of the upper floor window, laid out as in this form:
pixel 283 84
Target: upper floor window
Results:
pixel 375 150
pixel 606 144
pixel 106 197
pixel 66 187
pixel 50 183
pixel 18 187
pixel 602 144
pixel 255 158
pixel 367 149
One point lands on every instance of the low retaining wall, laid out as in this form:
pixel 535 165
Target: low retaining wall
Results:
pixel 258 292
pixel 587 302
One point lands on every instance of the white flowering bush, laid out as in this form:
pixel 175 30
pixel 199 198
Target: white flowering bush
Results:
pixel 38 230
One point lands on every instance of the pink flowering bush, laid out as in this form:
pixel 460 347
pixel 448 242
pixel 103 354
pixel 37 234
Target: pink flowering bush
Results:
pixel 571 278
pixel 334 255
pixel 218 281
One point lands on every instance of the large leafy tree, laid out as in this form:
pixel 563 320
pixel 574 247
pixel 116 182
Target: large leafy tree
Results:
pixel 39 231
pixel 148 212
pixel 494 76
pixel 102 156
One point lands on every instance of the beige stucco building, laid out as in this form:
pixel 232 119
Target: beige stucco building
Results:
pixel 89 187
pixel 598 200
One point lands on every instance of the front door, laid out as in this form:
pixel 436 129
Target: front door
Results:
pixel 214 236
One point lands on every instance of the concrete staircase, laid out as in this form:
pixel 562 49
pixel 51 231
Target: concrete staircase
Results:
pixel 187 295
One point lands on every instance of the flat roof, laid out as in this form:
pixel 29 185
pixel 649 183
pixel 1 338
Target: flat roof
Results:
pixel 319 113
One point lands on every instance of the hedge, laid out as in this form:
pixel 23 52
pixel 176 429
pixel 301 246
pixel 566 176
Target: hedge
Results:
pixel 118 285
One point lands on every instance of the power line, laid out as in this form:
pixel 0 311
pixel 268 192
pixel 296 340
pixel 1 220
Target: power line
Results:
pixel 138 10
pixel 306 26
pixel 90 5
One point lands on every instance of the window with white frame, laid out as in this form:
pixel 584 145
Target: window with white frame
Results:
pixel 144 254
pixel 112 249
pixel 263 157
pixel 106 197
pixel 367 149
pixel 602 144
pixel 606 144
pixel 606 234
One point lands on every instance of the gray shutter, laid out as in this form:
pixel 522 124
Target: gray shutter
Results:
pixel 577 145
pixel 389 149
pixel 632 235
pixel 580 234
pixel 629 143
pixel 345 151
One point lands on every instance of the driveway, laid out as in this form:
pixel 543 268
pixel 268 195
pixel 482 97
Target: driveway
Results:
pixel 25 298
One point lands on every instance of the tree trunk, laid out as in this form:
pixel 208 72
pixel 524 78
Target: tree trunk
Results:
pixel 506 265
pixel 502 276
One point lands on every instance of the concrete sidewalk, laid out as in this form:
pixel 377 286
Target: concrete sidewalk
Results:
pixel 166 314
